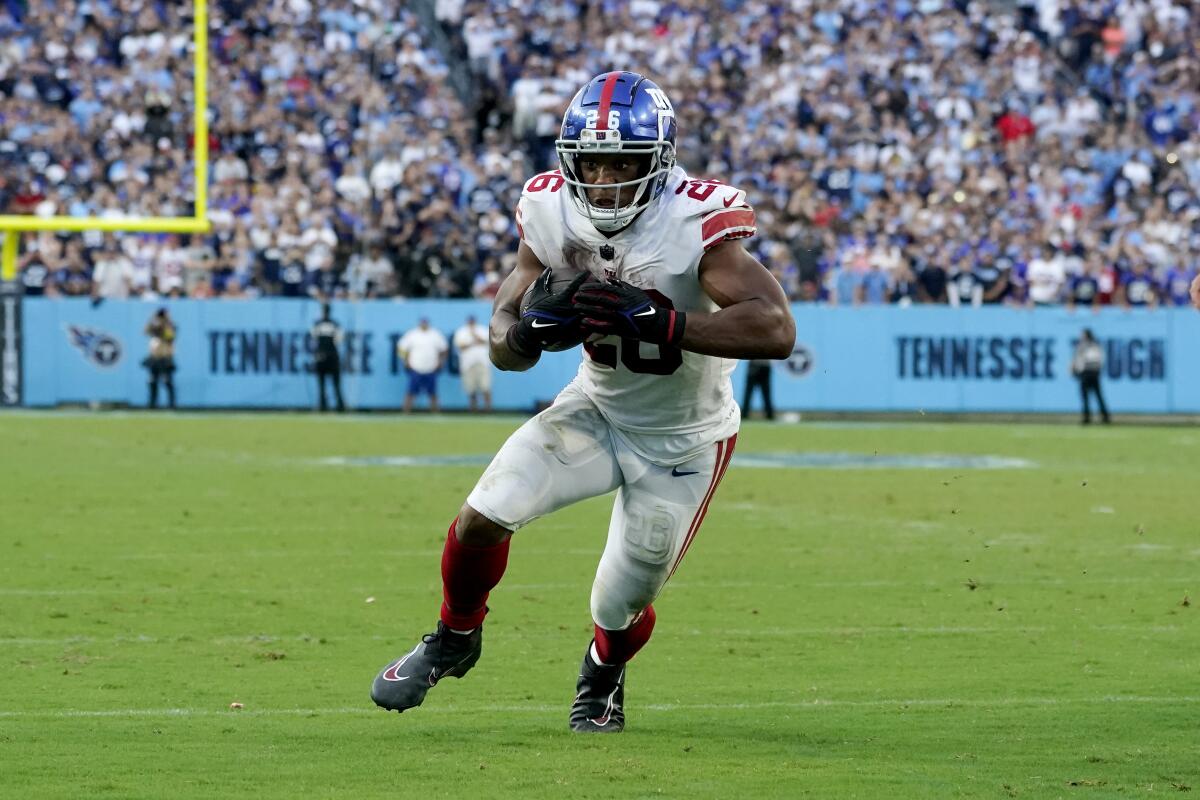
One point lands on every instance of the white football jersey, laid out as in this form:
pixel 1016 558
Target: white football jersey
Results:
pixel 667 402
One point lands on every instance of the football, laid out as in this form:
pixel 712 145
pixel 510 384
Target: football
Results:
pixel 552 281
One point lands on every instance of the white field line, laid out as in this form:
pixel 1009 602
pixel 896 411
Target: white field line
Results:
pixel 911 527
pixel 701 585
pixel 871 630
pixel 798 705
pixel 594 552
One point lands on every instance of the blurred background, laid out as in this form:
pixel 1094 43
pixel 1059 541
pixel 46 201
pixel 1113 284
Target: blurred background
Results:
pixel 949 191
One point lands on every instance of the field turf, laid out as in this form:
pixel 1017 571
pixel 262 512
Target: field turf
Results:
pixel 854 632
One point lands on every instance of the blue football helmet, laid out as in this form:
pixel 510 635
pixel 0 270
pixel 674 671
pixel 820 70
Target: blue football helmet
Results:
pixel 618 112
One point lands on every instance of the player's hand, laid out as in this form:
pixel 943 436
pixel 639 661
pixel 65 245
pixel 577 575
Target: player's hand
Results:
pixel 617 308
pixel 1196 292
pixel 548 320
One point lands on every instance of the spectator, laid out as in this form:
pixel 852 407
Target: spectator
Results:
pixel 1084 289
pixel 914 124
pixel 932 278
pixel 112 278
pixel 1175 286
pixel 1046 278
pixel 474 364
pixel 370 275
pixel 423 351
pixel 1137 288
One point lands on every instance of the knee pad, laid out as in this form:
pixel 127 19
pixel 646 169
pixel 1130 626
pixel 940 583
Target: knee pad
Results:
pixel 612 612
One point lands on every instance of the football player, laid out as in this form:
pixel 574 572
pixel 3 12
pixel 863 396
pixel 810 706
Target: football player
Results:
pixel 667 299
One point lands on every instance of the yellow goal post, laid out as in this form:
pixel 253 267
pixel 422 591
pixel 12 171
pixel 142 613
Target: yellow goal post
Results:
pixel 11 225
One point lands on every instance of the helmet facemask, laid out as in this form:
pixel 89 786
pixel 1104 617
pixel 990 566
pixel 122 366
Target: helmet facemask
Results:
pixel 660 156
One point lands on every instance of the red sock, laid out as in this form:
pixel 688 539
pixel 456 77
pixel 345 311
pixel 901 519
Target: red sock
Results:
pixel 468 574
pixel 617 647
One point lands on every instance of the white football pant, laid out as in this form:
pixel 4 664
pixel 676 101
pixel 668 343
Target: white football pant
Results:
pixel 569 453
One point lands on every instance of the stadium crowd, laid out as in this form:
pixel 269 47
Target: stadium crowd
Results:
pixel 902 151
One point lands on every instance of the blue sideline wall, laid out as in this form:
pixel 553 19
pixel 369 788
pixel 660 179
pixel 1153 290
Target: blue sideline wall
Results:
pixel 255 354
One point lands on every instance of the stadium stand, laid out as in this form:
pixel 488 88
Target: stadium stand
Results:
pixel 906 151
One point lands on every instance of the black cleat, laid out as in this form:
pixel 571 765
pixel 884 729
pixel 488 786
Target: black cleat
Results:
pixel 442 654
pixel 599 705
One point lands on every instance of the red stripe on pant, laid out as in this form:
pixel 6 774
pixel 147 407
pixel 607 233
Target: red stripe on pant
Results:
pixel 724 456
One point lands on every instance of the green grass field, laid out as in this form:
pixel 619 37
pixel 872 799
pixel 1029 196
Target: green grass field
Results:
pixel 872 633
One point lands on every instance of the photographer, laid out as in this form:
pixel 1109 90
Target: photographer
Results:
pixel 161 361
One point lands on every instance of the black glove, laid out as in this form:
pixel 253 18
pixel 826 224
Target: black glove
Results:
pixel 618 308
pixel 549 320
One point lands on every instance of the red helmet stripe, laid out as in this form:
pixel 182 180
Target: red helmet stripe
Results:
pixel 610 85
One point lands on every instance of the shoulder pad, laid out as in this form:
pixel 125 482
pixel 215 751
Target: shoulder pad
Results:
pixel 539 190
pixel 544 185
pixel 721 209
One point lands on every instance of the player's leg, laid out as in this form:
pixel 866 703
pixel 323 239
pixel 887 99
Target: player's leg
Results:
pixel 655 518
pixel 559 457
pixel 1085 391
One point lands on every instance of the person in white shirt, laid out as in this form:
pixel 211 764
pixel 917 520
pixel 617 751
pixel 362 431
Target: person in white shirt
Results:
pixel 474 363
pixel 1046 278
pixel 112 279
pixel 423 350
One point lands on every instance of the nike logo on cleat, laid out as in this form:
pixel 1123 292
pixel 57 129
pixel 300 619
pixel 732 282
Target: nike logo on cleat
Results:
pixel 676 473
pixel 392 672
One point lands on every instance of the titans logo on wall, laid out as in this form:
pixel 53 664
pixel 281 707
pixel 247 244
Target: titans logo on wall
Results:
pixel 800 362
pixel 97 347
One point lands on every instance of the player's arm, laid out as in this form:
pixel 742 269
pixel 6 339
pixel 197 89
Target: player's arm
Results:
pixel 1195 292
pixel 754 320
pixel 506 311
